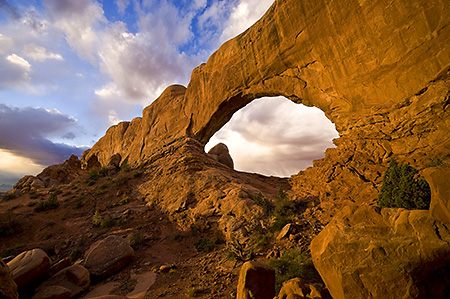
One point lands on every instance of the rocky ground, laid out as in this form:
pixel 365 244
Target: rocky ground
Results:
pixel 174 261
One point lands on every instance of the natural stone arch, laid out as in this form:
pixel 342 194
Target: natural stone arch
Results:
pixel 275 136
pixel 384 83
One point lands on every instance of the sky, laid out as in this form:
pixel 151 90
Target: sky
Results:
pixel 71 69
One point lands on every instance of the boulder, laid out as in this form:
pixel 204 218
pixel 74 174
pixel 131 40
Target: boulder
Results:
pixel 29 268
pixel 52 292
pixel 256 280
pixel 74 278
pixel 439 180
pixel 300 288
pixel 60 265
pixel 287 230
pixel 8 288
pixel 369 252
pixel 221 154
pixel 108 256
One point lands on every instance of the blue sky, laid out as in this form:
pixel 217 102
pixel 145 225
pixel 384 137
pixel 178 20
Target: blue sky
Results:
pixel 70 69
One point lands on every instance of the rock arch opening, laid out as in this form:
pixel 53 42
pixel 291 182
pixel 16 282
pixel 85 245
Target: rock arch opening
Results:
pixel 275 136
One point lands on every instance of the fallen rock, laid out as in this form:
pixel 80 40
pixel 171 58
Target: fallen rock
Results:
pixel 221 154
pixel 369 252
pixel 300 288
pixel 288 229
pixel 29 268
pixel 60 265
pixel 74 278
pixel 256 280
pixel 438 178
pixel 52 292
pixel 108 256
pixel 8 288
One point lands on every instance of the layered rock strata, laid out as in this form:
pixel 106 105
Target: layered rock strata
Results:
pixel 379 71
pixel 368 252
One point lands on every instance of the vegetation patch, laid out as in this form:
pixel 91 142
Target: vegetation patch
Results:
pixel 204 245
pixel 50 204
pixel 291 264
pixel 9 225
pixel 403 188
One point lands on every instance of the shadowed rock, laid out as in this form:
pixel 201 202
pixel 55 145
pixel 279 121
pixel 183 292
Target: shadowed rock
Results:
pixel 369 252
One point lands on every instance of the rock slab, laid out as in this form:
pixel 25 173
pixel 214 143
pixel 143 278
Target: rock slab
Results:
pixel 369 252
pixel 29 267
pixel 439 180
pixel 300 288
pixel 256 280
pixel 8 288
pixel 75 279
pixel 108 256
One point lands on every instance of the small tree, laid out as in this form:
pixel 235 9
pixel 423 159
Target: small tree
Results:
pixel 403 189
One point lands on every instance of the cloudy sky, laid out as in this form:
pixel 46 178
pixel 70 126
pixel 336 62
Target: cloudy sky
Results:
pixel 69 69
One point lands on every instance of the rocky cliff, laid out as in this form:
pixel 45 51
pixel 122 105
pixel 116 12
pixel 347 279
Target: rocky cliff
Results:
pixel 379 71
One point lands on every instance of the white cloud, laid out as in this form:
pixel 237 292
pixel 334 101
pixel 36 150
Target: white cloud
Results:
pixel 6 44
pixel 122 5
pixel 39 53
pixel 245 14
pixel 274 136
pixel 19 61
pixel 81 21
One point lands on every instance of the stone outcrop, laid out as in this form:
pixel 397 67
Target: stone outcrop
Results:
pixel 368 252
pixel 67 283
pixel 8 288
pixel 439 180
pixel 53 175
pixel 300 288
pixel 221 154
pixel 108 256
pixel 29 268
pixel 256 280
pixel 379 71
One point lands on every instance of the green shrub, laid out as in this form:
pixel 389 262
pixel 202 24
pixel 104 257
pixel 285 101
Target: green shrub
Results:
pixel 9 225
pixel 96 219
pixel 76 254
pixel 136 239
pixel 50 204
pixel 402 188
pixel 204 245
pixel 263 202
pixel 284 210
pixel 291 264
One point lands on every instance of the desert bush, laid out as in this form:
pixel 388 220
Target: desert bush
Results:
pixel 50 204
pixel 292 264
pixel 263 202
pixel 402 188
pixel 9 225
pixel 136 239
pixel 76 254
pixel 204 245
pixel 284 210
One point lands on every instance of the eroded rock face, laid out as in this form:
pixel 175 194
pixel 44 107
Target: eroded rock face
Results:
pixel 8 288
pixel 368 252
pixel 256 280
pixel 439 180
pixel 379 71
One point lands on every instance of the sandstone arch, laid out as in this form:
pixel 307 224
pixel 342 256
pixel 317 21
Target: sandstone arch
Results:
pixel 379 71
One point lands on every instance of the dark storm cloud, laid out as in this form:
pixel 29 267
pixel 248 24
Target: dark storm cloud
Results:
pixel 10 10
pixel 25 132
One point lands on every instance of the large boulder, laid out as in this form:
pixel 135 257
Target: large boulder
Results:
pixel 8 288
pixel 108 256
pixel 75 279
pixel 439 180
pixel 256 280
pixel 221 154
pixel 29 268
pixel 369 252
